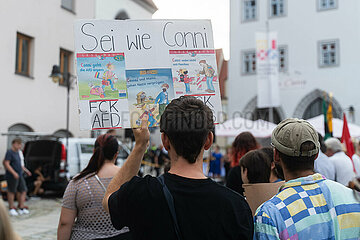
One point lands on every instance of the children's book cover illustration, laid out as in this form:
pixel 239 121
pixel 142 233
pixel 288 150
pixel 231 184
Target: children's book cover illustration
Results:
pixel 194 72
pixel 101 76
pixel 150 91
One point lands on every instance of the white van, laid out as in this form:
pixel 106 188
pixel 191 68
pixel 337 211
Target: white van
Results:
pixel 80 151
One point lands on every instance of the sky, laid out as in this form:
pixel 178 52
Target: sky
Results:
pixel 216 10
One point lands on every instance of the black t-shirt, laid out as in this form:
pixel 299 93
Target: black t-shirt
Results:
pixel 234 180
pixel 204 209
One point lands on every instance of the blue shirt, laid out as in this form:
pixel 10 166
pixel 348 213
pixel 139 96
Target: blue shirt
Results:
pixel 15 162
pixel 311 207
pixel 162 98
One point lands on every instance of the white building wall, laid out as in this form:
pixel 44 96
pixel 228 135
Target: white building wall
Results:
pixel 301 29
pixel 108 9
pixel 36 101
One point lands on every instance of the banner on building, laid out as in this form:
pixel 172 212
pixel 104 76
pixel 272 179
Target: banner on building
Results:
pixel 129 68
pixel 267 68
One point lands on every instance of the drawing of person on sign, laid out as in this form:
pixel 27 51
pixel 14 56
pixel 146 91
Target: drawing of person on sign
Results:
pixel 109 76
pixel 209 73
pixel 162 99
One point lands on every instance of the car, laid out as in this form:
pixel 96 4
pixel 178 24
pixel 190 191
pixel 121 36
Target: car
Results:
pixel 80 151
pixel 51 155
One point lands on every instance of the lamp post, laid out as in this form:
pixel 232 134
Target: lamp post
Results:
pixel 57 77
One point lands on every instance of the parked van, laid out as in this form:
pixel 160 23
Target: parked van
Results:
pixel 51 155
pixel 80 151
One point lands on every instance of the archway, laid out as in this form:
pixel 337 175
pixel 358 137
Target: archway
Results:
pixel 61 133
pixel 311 106
pixel 18 128
pixel 252 112
pixel 122 15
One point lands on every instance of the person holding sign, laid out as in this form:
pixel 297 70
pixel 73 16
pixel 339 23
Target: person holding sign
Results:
pixel 183 203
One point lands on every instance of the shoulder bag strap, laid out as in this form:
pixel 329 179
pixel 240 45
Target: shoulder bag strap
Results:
pixel 98 179
pixel 170 201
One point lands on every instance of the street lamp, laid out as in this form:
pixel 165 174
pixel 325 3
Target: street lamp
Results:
pixel 58 77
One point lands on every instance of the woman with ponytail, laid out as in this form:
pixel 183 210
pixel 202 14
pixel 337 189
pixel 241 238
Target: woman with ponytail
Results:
pixel 82 215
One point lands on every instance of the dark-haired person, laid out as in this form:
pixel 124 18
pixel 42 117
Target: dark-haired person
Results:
pixel 84 194
pixel 276 174
pixel 255 167
pixel 203 208
pixel 15 180
pixel 242 144
pixel 308 206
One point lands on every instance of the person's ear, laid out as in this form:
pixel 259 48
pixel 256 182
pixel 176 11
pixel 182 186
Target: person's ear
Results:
pixel 165 140
pixel 272 165
pixel 115 156
pixel 276 156
pixel 209 140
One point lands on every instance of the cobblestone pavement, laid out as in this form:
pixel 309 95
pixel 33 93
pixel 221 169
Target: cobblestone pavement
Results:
pixel 42 221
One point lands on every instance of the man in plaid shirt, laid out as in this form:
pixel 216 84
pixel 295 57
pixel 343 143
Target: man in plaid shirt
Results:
pixel 308 206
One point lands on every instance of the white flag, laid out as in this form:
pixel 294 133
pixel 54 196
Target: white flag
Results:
pixel 267 67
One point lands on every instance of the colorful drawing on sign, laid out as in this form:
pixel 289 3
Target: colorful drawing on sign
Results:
pixel 101 76
pixel 194 72
pixel 150 91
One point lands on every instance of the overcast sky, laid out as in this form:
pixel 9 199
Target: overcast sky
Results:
pixel 216 10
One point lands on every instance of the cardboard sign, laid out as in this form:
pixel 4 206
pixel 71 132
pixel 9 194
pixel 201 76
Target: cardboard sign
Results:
pixel 129 68
pixel 258 193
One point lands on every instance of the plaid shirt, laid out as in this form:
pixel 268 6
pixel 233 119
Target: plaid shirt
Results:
pixel 311 207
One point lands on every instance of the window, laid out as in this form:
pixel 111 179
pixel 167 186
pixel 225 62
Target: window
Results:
pixel 249 7
pixel 68 5
pixel 249 62
pixel 327 4
pixel 329 53
pixel 23 47
pixel 283 63
pixel 65 57
pixel 277 8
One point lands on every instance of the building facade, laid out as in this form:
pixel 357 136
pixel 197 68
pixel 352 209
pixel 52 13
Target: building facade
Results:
pixel 38 34
pixel 318 53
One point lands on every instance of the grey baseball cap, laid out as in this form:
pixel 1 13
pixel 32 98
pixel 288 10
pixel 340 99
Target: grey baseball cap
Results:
pixel 288 136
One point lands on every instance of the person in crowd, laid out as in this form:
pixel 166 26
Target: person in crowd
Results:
pixel 215 162
pixel 242 144
pixel 255 167
pixel 227 161
pixel 82 215
pixel 322 164
pixel 344 169
pixel 356 156
pixel 15 179
pixel 6 229
pixel 308 206
pixel 183 203
pixel 276 174
pixel 35 181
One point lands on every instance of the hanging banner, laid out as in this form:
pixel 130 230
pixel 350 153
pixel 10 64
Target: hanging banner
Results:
pixel 129 68
pixel 267 68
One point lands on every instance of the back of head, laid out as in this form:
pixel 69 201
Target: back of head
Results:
pixel 277 170
pixel 334 144
pixel 187 122
pixel 297 142
pixel 243 143
pixel 258 166
pixel 105 148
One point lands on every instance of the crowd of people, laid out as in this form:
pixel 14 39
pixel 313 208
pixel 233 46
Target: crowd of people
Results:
pixel 318 196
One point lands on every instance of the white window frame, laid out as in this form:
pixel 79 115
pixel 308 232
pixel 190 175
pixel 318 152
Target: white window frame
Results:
pixel 243 55
pixel 327 7
pixel 321 59
pixel 286 58
pixel 255 18
pixel 277 2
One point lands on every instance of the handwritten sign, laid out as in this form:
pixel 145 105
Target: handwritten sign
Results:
pixel 129 68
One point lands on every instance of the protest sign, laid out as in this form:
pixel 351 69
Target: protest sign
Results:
pixel 129 68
